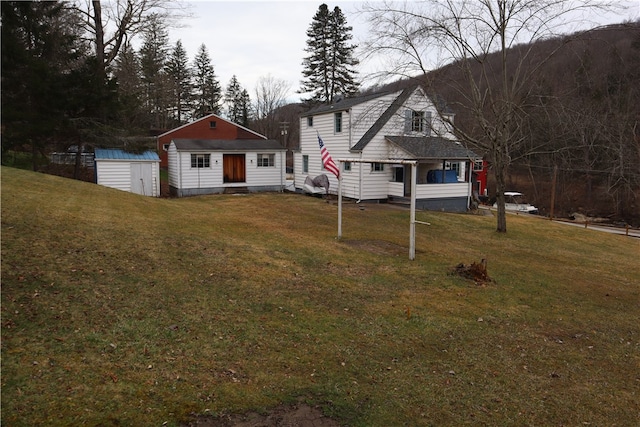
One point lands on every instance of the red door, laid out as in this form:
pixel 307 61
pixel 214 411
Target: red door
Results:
pixel 234 167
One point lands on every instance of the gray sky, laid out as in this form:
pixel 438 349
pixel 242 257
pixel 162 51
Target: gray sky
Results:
pixel 252 39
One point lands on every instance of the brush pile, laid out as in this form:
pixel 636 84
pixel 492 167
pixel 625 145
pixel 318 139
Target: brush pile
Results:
pixel 475 271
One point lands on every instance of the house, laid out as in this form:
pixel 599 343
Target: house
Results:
pixel 210 166
pixel 211 126
pixel 387 126
pixel 136 173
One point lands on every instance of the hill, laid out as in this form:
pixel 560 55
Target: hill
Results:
pixel 124 310
pixel 581 120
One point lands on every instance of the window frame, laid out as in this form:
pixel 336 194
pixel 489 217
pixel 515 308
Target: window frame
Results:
pixel 270 160
pixel 309 121
pixel 377 167
pixel 418 121
pixel 337 122
pixel 204 164
pixel 346 166
pixel 305 163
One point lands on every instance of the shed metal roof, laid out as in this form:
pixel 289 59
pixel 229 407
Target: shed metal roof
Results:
pixel 227 145
pixel 432 148
pixel 117 154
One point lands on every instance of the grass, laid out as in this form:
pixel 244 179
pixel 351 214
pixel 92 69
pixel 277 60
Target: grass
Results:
pixel 124 310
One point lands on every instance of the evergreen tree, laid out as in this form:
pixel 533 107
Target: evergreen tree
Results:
pixel 328 68
pixel 207 90
pixel 127 71
pixel 153 60
pixel 44 77
pixel 238 102
pixel 180 79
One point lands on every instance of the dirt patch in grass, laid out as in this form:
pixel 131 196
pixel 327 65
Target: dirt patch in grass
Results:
pixel 378 247
pixel 281 416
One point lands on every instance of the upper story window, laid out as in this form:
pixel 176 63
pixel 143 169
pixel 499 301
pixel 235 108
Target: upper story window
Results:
pixel 377 167
pixel 266 160
pixel 200 160
pixel 418 122
pixel 337 122
pixel 212 124
pixel 310 121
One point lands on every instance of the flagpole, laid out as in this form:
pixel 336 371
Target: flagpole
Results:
pixel 340 203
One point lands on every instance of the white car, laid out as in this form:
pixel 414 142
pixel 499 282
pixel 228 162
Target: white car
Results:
pixel 514 202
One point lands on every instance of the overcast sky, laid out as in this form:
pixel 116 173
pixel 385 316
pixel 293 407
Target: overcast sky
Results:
pixel 252 39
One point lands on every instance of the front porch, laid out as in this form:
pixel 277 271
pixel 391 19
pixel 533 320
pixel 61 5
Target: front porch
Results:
pixel 451 197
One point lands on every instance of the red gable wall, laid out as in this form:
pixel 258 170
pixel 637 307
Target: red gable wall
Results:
pixel 201 129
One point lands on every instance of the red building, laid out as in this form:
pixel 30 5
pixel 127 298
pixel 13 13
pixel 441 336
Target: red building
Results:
pixel 211 127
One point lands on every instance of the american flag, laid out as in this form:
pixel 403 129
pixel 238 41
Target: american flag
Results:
pixel 327 161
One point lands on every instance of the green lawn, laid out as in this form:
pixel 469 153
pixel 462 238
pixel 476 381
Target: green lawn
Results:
pixel 123 310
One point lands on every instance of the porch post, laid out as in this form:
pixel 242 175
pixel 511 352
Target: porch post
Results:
pixel 412 222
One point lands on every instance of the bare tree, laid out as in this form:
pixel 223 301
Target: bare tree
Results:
pixel 270 94
pixel 487 46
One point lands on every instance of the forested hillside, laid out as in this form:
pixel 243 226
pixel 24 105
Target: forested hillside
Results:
pixel 582 121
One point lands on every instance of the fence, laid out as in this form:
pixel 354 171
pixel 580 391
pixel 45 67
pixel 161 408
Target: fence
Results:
pixel 87 159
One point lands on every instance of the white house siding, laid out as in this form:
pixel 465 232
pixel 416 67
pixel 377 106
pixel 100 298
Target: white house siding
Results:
pixel 265 176
pixel 187 181
pixel 173 169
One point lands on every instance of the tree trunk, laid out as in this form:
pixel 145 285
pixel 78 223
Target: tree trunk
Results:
pixel 500 172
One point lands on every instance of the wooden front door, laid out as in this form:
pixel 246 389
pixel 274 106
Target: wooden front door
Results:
pixel 234 167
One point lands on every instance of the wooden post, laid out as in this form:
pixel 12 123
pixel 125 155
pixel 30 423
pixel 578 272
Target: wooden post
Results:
pixel 412 226
pixel 553 191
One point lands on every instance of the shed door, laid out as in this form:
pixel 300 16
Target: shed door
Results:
pixel 234 167
pixel 141 179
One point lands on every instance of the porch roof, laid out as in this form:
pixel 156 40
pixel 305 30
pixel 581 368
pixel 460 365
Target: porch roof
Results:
pixel 227 144
pixel 432 148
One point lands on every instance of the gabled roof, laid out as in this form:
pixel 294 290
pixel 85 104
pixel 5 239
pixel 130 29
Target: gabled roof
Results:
pixel 227 144
pixel 383 119
pixel 432 148
pixel 208 117
pixel 343 104
pixel 117 154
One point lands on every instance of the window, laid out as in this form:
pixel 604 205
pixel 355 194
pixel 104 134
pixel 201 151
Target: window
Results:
pixel 477 165
pixel 377 167
pixel 455 166
pixel 305 164
pixel 310 121
pixel 417 121
pixel 337 122
pixel 266 160
pixel 165 147
pixel 347 167
pixel 212 124
pixel 200 160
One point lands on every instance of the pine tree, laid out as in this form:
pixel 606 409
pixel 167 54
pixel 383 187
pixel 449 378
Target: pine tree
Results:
pixel 207 90
pixel 153 60
pixel 238 102
pixel 127 71
pixel 180 80
pixel 328 68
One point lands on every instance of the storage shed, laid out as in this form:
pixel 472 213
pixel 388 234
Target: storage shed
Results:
pixel 135 173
